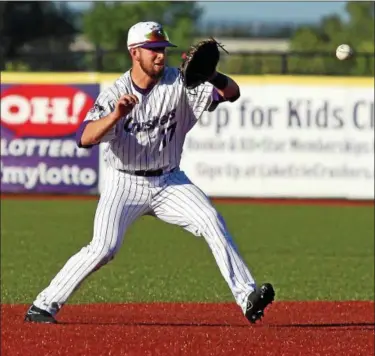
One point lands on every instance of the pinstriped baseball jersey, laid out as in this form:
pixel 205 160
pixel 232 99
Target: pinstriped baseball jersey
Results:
pixel 152 135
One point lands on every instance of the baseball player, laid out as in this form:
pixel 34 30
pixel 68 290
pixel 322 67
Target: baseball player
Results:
pixel 142 121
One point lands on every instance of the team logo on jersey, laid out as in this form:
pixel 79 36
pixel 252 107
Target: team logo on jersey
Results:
pixel 149 125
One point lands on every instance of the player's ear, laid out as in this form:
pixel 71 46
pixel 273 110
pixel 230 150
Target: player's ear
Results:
pixel 134 52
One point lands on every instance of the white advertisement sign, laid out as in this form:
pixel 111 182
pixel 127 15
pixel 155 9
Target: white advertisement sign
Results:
pixel 286 141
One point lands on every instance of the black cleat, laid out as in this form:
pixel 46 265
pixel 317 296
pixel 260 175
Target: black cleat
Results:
pixel 36 315
pixel 257 301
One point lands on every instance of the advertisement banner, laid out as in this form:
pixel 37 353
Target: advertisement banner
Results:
pixel 286 140
pixel 38 148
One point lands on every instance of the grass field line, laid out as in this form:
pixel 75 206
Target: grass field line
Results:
pixel 223 200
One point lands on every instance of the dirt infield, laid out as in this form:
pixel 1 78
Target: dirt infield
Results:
pixel 289 328
pixel 279 201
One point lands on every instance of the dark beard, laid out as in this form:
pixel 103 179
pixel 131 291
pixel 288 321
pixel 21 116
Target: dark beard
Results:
pixel 153 75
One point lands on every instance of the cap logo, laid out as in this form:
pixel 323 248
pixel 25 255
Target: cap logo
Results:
pixel 157 34
pixel 148 35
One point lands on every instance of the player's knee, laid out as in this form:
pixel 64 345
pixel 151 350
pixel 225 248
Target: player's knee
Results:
pixel 103 260
pixel 101 254
pixel 107 255
pixel 211 218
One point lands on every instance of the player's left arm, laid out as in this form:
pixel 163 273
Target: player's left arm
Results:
pixel 226 88
pixel 217 89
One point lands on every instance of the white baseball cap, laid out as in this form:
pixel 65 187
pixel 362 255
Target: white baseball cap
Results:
pixel 148 35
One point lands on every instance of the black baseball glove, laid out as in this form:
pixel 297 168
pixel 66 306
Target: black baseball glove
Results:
pixel 200 62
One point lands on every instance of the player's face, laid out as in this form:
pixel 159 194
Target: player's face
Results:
pixel 152 61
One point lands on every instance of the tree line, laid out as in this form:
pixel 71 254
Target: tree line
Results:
pixel 37 35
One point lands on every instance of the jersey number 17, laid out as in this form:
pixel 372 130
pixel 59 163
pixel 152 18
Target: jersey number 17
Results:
pixel 168 134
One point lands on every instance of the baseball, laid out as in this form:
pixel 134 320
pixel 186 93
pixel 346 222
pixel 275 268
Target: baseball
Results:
pixel 343 52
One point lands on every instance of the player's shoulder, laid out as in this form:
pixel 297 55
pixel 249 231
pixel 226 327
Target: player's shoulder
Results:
pixel 120 86
pixel 171 76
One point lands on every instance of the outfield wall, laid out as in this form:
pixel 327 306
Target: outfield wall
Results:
pixel 308 137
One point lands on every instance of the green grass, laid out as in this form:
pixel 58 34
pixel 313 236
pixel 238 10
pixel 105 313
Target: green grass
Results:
pixel 307 252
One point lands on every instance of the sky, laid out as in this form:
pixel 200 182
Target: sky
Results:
pixel 273 11
pixel 280 11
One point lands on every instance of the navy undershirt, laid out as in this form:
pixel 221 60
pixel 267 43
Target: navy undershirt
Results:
pixel 141 90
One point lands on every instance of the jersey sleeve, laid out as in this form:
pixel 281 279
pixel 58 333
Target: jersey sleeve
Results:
pixel 103 106
pixel 200 98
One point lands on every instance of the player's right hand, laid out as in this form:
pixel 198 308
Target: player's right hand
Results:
pixel 125 104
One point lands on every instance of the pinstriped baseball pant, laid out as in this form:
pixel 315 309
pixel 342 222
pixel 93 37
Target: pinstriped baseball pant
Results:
pixel 172 198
